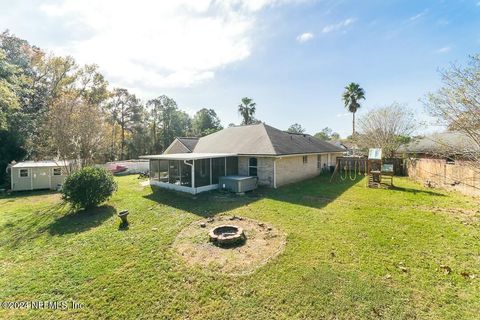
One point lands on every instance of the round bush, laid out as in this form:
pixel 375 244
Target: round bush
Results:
pixel 88 187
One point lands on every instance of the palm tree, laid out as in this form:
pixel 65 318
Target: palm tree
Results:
pixel 247 110
pixel 351 97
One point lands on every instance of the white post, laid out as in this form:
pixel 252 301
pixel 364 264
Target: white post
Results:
pixel 193 174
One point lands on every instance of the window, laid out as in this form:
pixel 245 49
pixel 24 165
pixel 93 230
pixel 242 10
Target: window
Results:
pixel 319 162
pixel 232 166
pixel 252 167
pixel 305 159
pixel 57 171
pixel 450 160
pixel 23 173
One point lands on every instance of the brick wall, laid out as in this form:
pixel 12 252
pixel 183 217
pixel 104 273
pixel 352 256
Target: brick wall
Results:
pixel 292 169
pixel 264 169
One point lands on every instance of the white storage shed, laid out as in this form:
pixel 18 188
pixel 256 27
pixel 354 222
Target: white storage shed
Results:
pixel 36 175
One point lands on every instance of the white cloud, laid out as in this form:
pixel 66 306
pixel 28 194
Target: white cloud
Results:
pixel 418 16
pixel 304 37
pixel 158 44
pixel 444 49
pixel 338 26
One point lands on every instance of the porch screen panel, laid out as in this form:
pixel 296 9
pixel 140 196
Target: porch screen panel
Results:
pixel 174 174
pixel 154 170
pixel 186 171
pixel 218 169
pixel 163 171
pixel 232 166
pixel 202 172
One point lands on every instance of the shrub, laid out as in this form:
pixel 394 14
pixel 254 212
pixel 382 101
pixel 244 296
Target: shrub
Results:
pixel 88 187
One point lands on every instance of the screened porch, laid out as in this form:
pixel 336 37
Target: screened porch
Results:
pixel 191 172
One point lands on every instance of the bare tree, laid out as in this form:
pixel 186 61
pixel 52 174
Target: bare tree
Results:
pixel 457 106
pixel 387 128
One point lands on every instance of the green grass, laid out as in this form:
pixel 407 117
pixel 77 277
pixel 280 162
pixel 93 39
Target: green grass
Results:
pixel 346 248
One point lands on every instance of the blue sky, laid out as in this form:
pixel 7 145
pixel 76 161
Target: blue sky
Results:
pixel 292 57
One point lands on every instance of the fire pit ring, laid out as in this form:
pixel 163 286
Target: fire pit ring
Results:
pixel 226 235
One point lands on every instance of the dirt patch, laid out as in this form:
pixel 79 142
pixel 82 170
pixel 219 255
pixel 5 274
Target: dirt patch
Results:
pixel 263 242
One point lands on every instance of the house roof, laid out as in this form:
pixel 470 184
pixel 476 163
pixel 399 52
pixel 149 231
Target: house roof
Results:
pixel 41 164
pixel 188 156
pixel 261 139
pixel 445 142
pixel 188 142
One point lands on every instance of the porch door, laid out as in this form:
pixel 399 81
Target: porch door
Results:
pixel 41 178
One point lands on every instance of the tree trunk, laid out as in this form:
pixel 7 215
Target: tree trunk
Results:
pixel 353 125
pixel 123 143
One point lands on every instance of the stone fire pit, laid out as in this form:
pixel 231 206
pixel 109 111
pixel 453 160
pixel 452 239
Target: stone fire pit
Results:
pixel 225 235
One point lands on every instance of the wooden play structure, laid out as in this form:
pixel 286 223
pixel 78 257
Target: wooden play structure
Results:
pixel 378 172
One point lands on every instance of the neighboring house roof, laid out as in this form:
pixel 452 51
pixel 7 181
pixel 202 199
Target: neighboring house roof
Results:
pixel 188 142
pixel 40 164
pixel 440 143
pixel 261 139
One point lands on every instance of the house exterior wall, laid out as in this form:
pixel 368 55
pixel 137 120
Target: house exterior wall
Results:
pixel 176 147
pixel 292 169
pixel 459 176
pixel 264 169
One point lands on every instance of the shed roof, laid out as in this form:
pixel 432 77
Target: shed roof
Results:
pixel 41 164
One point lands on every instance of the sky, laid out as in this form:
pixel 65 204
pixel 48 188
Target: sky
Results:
pixel 293 57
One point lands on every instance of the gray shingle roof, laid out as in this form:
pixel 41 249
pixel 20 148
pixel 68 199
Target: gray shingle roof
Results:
pixel 445 142
pixel 261 139
pixel 189 142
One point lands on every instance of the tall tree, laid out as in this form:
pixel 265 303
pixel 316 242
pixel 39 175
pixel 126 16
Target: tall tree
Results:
pixel 125 110
pixel 205 122
pixel 247 111
pixel 351 98
pixel 387 128
pixel 327 134
pixel 456 105
pixel 74 130
pixel 167 122
pixel 296 128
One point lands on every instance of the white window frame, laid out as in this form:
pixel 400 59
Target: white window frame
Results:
pixel 305 159
pixel 60 171
pixel 20 173
pixel 319 161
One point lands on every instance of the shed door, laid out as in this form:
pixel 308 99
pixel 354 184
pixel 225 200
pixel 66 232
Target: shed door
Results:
pixel 41 178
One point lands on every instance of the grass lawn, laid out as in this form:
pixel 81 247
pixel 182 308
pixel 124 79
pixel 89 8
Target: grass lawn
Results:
pixel 351 252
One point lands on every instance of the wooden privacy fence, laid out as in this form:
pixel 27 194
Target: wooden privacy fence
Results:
pixel 459 176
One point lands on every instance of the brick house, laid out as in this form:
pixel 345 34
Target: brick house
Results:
pixel 274 156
